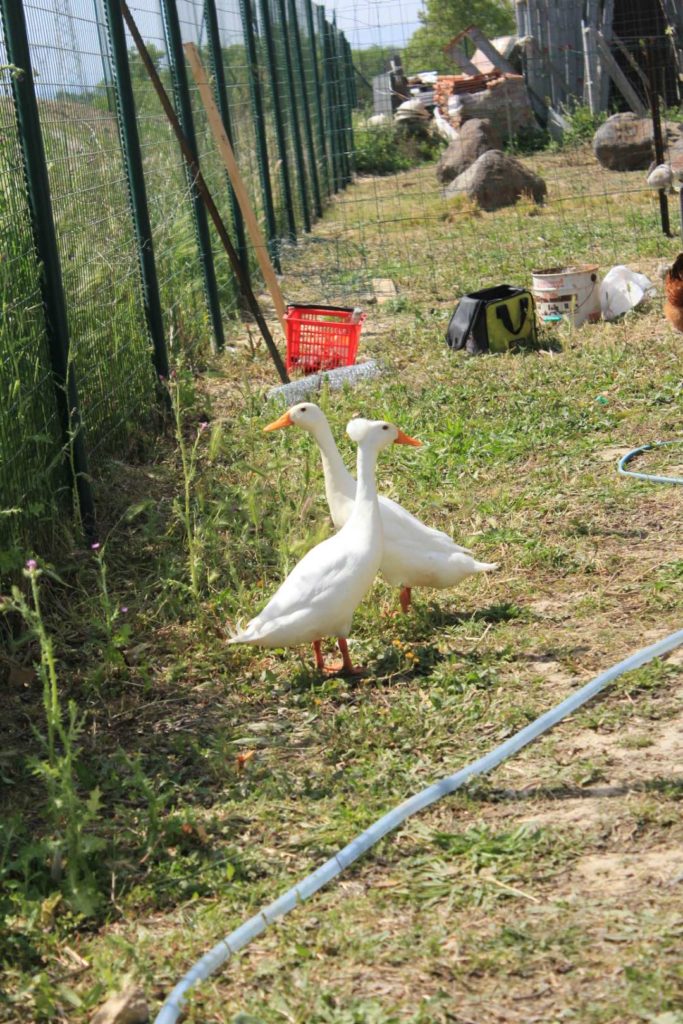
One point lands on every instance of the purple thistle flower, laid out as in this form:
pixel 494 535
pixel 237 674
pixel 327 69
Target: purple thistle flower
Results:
pixel 31 565
pixel 123 609
pixel 203 425
pixel 95 546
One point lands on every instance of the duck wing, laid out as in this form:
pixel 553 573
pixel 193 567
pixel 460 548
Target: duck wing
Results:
pixel 319 594
pixel 401 526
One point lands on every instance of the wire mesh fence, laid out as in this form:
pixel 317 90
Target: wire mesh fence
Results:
pixel 30 438
pixel 134 271
pixel 136 274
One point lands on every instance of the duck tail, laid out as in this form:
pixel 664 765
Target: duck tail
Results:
pixel 240 635
pixel 485 566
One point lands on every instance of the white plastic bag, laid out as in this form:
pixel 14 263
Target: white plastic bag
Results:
pixel 622 289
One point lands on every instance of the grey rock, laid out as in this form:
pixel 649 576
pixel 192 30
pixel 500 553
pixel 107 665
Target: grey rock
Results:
pixel 496 180
pixel 624 142
pixel 475 137
pixel 129 1007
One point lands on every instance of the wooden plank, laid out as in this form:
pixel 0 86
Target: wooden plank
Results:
pixel 521 17
pixel 489 50
pixel 551 71
pixel 590 57
pixel 617 75
pixel 574 54
pixel 228 157
pixel 557 92
pixel 457 54
pixel 628 56
pixel 589 84
pixel 603 77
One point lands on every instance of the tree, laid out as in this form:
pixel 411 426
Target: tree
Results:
pixel 442 20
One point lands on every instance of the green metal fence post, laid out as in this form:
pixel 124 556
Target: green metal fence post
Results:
pixel 247 14
pixel 351 77
pixel 341 104
pixel 349 92
pixel 327 98
pixel 294 118
pixel 317 87
pixel 47 253
pixel 308 127
pixel 214 40
pixel 128 128
pixel 184 108
pixel 330 104
pixel 278 117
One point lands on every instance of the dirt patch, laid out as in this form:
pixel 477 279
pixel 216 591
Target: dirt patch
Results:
pixel 663 757
pixel 614 873
pixel 611 454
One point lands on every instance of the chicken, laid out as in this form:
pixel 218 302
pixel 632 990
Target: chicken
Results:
pixel 673 286
pixel 660 176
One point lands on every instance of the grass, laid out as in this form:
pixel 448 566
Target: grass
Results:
pixel 547 892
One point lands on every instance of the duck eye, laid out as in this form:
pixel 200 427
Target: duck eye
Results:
pixel 385 427
pixel 302 408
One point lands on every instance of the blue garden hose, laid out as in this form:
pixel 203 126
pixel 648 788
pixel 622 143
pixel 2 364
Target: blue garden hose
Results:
pixel 625 459
pixel 289 900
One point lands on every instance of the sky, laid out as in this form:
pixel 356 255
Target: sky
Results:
pixel 384 22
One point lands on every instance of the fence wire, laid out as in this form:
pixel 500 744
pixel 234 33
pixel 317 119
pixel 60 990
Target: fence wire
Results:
pixel 30 440
pixel 296 100
pixel 104 278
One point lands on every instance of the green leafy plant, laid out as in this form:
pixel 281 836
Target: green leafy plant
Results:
pixel 188 447
pixel 72 844
pixel 582 125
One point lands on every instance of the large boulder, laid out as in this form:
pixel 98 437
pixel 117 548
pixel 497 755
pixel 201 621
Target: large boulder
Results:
pixel 495 180
pixel 474 138
pixel 624 143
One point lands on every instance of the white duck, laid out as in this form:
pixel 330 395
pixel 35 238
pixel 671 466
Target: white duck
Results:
pixel 323 590
pixel 415 555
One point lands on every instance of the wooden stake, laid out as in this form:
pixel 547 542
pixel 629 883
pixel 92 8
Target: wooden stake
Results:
pixel 207 198
pixel 227 155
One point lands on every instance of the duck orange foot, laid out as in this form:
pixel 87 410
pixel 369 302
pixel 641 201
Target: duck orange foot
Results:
pixel 345 667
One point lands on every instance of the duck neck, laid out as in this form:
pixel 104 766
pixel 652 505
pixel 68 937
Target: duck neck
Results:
pixel 366 492
pixel 335 472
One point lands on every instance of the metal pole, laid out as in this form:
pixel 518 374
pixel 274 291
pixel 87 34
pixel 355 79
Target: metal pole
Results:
pixel 657 134
pixel 294 118
pixel 351 100
pixel 337 106
pixel 344 108
pixel 330 121
pixel 204 193
pixel 47 253
pixel 184 105
pixel 278 116
pixel 247 13
pixel 128 128
pixel 317 88
pixel 308 127
pixel 214 40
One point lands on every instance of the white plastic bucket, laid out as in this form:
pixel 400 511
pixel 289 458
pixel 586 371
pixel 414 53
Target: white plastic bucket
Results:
pixel 571 292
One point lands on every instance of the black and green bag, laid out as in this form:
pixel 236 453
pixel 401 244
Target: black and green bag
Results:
pixel 493 320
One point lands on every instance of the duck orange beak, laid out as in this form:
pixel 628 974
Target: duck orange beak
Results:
pixel 406 439
pixel 284 421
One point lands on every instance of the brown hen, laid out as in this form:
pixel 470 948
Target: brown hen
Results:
pixel 673 285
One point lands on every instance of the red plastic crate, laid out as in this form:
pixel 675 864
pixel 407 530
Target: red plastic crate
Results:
pixel 321 337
